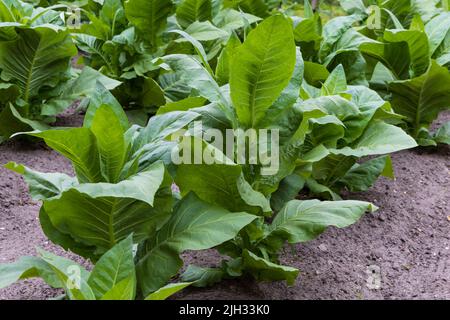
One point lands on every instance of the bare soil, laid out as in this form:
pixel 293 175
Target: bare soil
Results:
pixel 407 240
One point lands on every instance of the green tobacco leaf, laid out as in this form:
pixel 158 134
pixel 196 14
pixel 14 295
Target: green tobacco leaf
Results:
pixel 198 48
pixel 194 225
pixel 99 97
pixel 206 31
pixel 437 30
pixel 151 95
pixel 231 20
pixel 329 170
pixel 421 99
pixel 182 105
pixel 148 16
pixel 374 142
pixel 25 268
pixel 193 73
pixel 162 126
pixel 36 58
pixel 301 221
pixel 394 56
pixel 190 11
pixel 362 176
pixel 418 48
pixel 65 240
pixel 281 115
pixel 262 68
pixel 315 74
pixel 258 8
pixel 333 31
pixel 12 122
pixel 43 186
pixel 123 290
pixel 103 214
pixel 443 134
pixel 113 267
pixel 202 277
pixel 264 270
pixel 78 145
pixel 72 276
pixel 111 144
pixel 336 82
pixel 220 183
pixel 56 271
pixel 82 87
pixel 167 291
pixel 289 189
pixel 225 58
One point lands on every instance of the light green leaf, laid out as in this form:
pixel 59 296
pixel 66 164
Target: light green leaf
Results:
pixel 265 270
pixel 25 268
pixel 103 214
pixel 374 142
pixel 421 99
pixel 362 176
pixel 11 122
pixel 193 73
pixel 111 145
pixel 336 82
pixel 206 31
pixel 81 87
pixel 189 11
pixel 202 277
pixel 262 68
pixel 113 267
pixel 148 16
pixel 224 60
pixel 37 57
pixel 43 186
pixel 301 221
pixel 418 48
pixel 78 145
pixel 194 225
pixel 443 134
pixel 72 276
pixel 167 291
pixel 123 290
pixel 220 183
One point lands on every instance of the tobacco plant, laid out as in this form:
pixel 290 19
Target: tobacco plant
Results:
pixel 124 39
pixel 36 76
pixel 122 188
pixel 319 131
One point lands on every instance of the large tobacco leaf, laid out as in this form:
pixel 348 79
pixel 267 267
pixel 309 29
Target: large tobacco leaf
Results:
pixel 194 225
pixel 261 69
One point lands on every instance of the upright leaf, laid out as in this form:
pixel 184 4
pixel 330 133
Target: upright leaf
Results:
pixel 111 145
pixel 148 16
pixel 422 98
pixel 190 11
pixel 261 69
pixel 37 57
pixel 114 266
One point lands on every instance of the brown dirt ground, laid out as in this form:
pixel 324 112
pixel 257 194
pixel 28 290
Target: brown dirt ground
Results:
pixel 408 238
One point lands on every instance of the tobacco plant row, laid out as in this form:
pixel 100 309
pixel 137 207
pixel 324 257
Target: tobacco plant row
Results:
pixel 343 93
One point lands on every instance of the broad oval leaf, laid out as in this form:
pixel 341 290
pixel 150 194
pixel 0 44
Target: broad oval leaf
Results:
pixel 194 225
pixel 262 68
